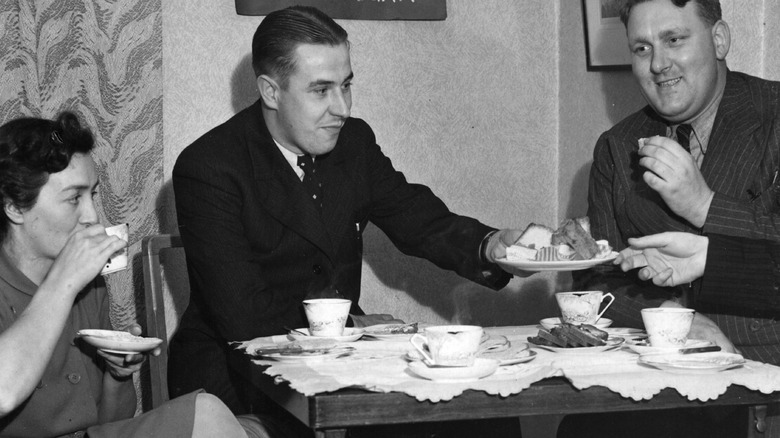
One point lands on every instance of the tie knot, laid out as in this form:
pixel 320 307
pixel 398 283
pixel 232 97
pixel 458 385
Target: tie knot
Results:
pixel 683 133
pixel 306 163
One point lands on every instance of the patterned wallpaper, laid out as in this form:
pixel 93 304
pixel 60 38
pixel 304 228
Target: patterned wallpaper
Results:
pixel 103 61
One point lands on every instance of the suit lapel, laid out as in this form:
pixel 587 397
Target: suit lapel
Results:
pixel 281 192
pixel 733 148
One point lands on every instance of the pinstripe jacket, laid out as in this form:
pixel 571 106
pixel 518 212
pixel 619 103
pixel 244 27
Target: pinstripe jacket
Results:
pixel 741 166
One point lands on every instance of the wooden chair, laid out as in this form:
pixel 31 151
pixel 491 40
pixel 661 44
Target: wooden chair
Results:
pixel 156 326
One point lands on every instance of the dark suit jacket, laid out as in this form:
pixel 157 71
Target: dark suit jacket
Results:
pixel 742 273
pixel 740 165
pixel 256 245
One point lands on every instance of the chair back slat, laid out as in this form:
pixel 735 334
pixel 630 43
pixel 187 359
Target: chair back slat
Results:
pixel 151 247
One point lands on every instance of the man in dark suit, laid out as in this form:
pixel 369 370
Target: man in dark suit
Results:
pixel 258 242
pixel 702 157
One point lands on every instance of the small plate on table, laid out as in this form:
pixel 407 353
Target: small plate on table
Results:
pixel 391 332
pixel 481 368
pixel 349 335
pixel 550 323
pixel 701 363
pixel 565 265
pixel 118 342
pixel 515 354
pixel 308 356
pixel 642 346
pixel 612 343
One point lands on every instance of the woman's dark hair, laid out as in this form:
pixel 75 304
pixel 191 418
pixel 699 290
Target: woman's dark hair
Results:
pixel 709 10
pixel 280 33
pixel 30 150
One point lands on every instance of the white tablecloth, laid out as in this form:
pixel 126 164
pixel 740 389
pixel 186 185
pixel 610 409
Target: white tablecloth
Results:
pixel 381 366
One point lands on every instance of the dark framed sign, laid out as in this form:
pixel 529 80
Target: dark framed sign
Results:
pixel 605 35
pixel 355 9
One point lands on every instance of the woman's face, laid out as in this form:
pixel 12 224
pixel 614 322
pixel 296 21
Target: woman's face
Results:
pixel 65 205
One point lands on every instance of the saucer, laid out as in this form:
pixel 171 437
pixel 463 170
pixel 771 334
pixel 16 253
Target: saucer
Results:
pixel 118 342
pixel 349 335
pixel 642 346
pixel 550 323
pixel 612 343
pixel 481 368
pixel 693 363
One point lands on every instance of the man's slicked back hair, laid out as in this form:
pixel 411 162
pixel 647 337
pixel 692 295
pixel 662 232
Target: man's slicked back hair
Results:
pixel 282 31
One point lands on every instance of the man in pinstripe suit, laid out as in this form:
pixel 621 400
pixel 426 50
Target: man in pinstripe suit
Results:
pixel 726 184
pixel 644 181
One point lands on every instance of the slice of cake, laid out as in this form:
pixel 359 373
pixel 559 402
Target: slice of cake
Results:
pixel 573 234
pixel 536 236
pixel 520 253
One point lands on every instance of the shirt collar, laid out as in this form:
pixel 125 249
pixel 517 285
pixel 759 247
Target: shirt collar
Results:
pixel 702 125
pixel 291 158
pixel 14 277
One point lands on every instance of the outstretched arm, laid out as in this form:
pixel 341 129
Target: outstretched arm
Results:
pixel 668 259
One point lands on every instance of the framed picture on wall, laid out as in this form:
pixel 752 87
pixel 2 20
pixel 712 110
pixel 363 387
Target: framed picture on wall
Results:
pixel 355 9
pixel 605 35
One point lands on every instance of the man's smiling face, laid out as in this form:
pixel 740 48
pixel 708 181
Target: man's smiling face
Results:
pixel 674 58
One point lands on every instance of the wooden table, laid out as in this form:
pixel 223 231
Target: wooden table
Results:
pixel 539 408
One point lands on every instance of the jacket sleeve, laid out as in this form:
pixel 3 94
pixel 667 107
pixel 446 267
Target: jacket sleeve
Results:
pixel 742 273
pixel 421 225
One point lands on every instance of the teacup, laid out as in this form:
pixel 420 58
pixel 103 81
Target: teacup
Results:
pixel 667 326
pixel 327 316
pixel 118 260
pixel 449 345
pixel 582 307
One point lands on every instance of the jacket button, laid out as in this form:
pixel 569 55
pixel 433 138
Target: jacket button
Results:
pixel 74 378
pixel 317 269
pixel 755 325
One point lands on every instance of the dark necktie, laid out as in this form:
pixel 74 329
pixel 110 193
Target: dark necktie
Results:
pixel 684 136
pixel 311 182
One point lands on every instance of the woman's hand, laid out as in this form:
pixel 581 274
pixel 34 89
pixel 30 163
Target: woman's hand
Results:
pixel 83 257
pixel 122 366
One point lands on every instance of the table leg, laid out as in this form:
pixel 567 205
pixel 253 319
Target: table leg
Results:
pixel 541 426
pixel 330 433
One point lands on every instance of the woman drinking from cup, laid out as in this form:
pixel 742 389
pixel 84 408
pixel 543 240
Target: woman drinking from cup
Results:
pixel 52 249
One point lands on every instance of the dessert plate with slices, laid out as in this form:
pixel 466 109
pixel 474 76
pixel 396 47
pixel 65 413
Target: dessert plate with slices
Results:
pixel 558 265
pixel 481 368
pixel 118 342
pixel 568 248
pixel 693 363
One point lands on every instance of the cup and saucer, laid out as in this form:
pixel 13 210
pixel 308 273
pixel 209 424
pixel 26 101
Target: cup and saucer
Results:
pixel 449 354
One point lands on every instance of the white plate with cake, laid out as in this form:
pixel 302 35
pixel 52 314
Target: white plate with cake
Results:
pixel 569 248
pixel 567 265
